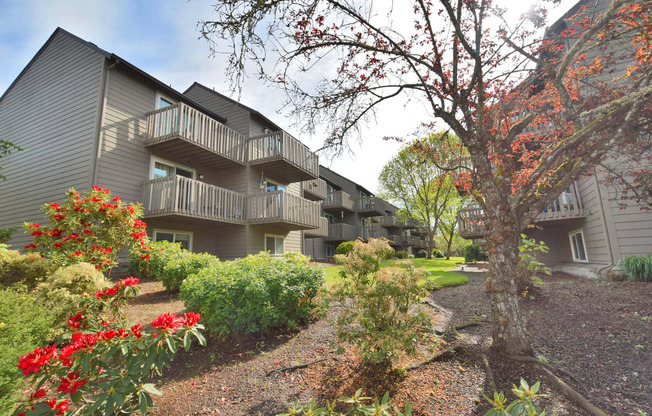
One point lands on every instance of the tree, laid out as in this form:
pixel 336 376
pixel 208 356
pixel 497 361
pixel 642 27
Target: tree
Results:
pixel 534 112
pixel 6 147
pixel 448 224
pixel 422 190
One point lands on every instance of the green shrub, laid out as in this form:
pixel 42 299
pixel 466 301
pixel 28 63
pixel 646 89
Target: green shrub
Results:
pixel 344 248
pixel 355 406
pixel 636 268
pixel 421 254
pixel 28 269
pixel 24 325
pixel 472 253
pixel 62 292
pixel 254 294
pixel 296 257
pixel 401 254
pixel 438 254
pixel 160 254
pixel 180 266
pixel 5 234
pixel 381 313
pixel 389 253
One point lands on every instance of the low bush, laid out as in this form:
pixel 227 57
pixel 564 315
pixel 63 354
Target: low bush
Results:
pixel 636 268
pixel 438 254
pixel 24 325
pixel 29 269
pixel 344 248
pixel 473 253
pixel 254 294
pixel 181 265
pixel 296 257
pixel 63 291
pixel 159 255
pixel 421 254
pixel 5 234
pixel 401 254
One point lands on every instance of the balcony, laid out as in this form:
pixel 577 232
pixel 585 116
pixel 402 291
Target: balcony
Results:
pixel 372 231
pixel 282 157
pixel 395 240
pixel 341 232
pixel 177 197
pixel 314 189
pixel 370 207
pixel 389 221
pixel 283 210
pixel 419 231
pixel 322 231
pixel 410 240
pixel 338 200
pixel 410 223
pixel 566 206
pixel 180 132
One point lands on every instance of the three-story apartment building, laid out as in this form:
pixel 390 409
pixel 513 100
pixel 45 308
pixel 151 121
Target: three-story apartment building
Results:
pixel 212 174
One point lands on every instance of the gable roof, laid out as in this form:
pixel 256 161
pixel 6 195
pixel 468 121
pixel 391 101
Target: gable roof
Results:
pixel 347 179
pixel 121 62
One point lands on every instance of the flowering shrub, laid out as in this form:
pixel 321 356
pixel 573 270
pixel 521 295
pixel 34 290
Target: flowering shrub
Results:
pixel 24 325
pixel 381 313
pixel 152 263
pixel 28 269
pixel 62 291
pixel 105 367
pixel 254 294
pixel 93 228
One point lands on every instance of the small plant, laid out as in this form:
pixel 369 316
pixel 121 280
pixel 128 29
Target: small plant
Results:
pixel 355 406
pixel 93 228
pixel 438 254
pixel 636 268
pixel 344 248
pixel 421 254
pixel 522 406
pixel 401 254
pixel 381 313
pixel 28 269
pixel 530 265
pixel 472 253
pixel 5 234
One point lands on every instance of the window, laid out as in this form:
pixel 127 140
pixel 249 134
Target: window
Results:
pixel 162 101
pixel 577 246
pixel 185 238
pixel 274 244
pixel 330 218
pixel 330 251
pixel 271 186
pixel 162 168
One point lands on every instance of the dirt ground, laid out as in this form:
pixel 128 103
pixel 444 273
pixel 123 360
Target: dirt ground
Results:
pixel 598 332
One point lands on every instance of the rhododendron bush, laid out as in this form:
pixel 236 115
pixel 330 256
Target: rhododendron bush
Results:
pixel 91 228
pixel 105 366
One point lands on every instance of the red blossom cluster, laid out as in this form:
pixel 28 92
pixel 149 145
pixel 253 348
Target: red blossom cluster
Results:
pixel 71 383
pixel 32 362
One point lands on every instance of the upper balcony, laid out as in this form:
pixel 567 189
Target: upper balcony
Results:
pixel 177 197
pixel 395 239
pixel 314 189
pixel 182 132
pixel 322 231
pixel 369 207
pixel 566 206
pixel 282 157
pixel 420 230
pixel 411 240
pixel 341 232
pixel 372 231
pixel 389 221
pixel 338 200
pixel 283 210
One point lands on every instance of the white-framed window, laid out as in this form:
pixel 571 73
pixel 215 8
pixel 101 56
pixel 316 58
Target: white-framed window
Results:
pixel 163 100
pixel 275 244
pixel 578 249
pixel 161 168
pixel 274 186
pixel 183 237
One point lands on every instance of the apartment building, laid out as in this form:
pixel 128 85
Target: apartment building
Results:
pixel 211 173
pixel 586 228
pixel 350 212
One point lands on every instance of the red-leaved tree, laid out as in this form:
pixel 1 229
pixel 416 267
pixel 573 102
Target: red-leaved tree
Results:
pixel 533 109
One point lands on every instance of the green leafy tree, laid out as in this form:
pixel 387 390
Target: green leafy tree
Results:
pixel 6 147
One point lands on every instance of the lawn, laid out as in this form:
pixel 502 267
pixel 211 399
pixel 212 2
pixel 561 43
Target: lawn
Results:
pixel 436 267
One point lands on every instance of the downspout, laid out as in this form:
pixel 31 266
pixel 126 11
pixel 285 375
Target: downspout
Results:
pixel 606 230
pixel 100 122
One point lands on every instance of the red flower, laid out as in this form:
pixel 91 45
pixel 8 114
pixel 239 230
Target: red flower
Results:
pixel 117 199
pixel 38 394
pixel 70 383
pixel 29 246
pixel 37 233
pixel 107 293
pixel 140 224
pixel 145 256
pixel 78 253
pixel 122 333
pixel 129 281
pixel 79 342
pixel 75 321
pixel 55 232
pixel 107 335
pixel 98 189
pixel 190 319
pixel 56 206
pixel 130 209
pixel 59 217
pixel 62 406
pixel 167 322
pixel 35 226
pixel 32 362
pixel 137 330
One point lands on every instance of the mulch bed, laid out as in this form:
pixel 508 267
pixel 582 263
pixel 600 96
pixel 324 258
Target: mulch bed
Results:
pixel 596 331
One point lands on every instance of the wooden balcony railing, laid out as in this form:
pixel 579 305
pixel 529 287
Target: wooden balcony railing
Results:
pixel 395 240
pixel 322 231
pixel 177 195
pixel 314 188
pixel 181 121
pixel 280 146
pixel 370 205
pixel 282 207
pixel 342 232
pixel 338 199
pixel 566 206
pixel 410 223
pixel 411 241
pixel 372 231
pixel 389 221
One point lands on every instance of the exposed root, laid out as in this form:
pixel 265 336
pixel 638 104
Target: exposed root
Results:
pixel 533 360
pixel 297 367
pixel 490 374
pixel 469 324
pixel 441 355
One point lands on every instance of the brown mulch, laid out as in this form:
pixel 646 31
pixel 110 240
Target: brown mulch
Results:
pixel 596 331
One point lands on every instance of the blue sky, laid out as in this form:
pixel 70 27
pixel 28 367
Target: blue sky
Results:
pixel 161 38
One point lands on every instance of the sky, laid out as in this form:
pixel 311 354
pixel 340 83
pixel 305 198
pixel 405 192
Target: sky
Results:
pixel 161 38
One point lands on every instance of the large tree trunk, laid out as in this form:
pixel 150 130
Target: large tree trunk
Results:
pixel 509 335
pixel 448 248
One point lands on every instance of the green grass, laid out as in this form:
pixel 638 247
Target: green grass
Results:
pixel 436 267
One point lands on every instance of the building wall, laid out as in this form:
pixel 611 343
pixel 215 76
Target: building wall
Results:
pixel 51 112
pixel 237 117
